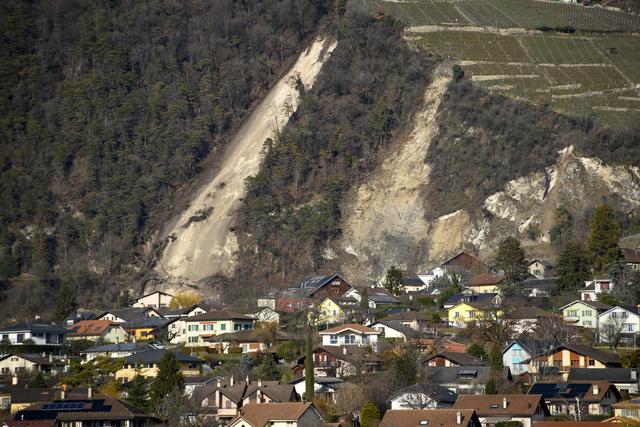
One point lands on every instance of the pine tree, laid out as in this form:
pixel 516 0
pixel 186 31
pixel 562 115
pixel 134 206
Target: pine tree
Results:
pixel 603 238
pixel 308 371
pixel 495 358
pixel 138 393
pixel 573 267
pixel 510 259
pixel 66 302
pixel 169 378
pixel 392 280
pixel 404 370
pixel 38 381
pixel 369 415
pixel 268 369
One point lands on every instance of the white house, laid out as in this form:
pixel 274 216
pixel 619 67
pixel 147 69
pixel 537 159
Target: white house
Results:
pixel 429 276
pixel 594 287
pixel 155 300
pixel 393 330
pixel 350 334
pixel 283 414
pixel 623 320
pixel 39 332
pixel 266 315
pixel 14 364
pixel 518 351
pixel 124 315
pixel 424 396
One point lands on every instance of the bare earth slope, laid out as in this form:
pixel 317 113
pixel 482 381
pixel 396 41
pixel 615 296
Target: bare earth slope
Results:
pixel 201 243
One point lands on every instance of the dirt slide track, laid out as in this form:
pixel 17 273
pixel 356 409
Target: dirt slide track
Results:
pixel 201 243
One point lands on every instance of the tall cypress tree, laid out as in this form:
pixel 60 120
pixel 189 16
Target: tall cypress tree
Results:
pixel 169 378
pixel 137 393
pixel 603 238
pixel 308 371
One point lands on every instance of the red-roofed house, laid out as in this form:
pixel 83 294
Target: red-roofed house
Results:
pixel 486 282
pixel 98 330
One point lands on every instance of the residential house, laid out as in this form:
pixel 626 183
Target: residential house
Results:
pixel 433 345
pixel 463 264
pixel 592 288
pixel 268 300
pixel 567 356
pixel 525 319
pixel 228 398
pixel 540 269
pixel 36 332
pixel 98 330
pixel 416 320
pixel 290 302
pixel 461 379
pixel 155 300
pixel 171 313
pixel 147 328
pixel 322 286
pixel 123 315
pixel 517 351
pixel 248 340
pixel 631 258
pixel 629 409
pixel 334 310
pixel 18 363
pixel 115 351
pixel 380 297
pixel 538 288
pixel 87 411
pixel 583 313
pixel 147 363
pixel 469 296
pixel 22 397
pixel 76 317
pixel 624 319
pixel 412 284
pixel 494 408
pixel 350 334
pixel 430 417
pixel 451 358
pixel 394 330
pixel 265 315
pixel 215 322
pixel 625 379
pixel 339 361
pixel 423 396
pixel 486 282
pixel 578 399
pixel 322 386
pixel 464 312
pixel 286 414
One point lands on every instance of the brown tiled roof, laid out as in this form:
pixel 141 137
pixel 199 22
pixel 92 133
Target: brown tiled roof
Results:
pixel 350 326
pixel 348 352
pixel 484 279
pixel 259 414
pixel 90 327
pixel 492 405
pixel 429 417
pixel 240 390
pixel 631 255
pixel 108 409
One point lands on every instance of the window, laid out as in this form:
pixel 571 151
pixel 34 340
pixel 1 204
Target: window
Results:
pixel 456 314
pixel 623 315
pixel 629 327
pixel 572 313
pixel 471 314
pixel 193 339
pixel 333 339
pixel 208 327
pixel 237 327
pixel 223 326
pixel 592 362
pixel 349 339
pixel 575 363
pixel 614 315
pixel 193 327
pixel 586 313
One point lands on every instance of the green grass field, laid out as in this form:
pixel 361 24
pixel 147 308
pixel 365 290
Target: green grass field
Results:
pixel 595 71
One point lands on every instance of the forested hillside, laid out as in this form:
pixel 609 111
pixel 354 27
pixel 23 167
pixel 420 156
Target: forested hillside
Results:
pixel 107 107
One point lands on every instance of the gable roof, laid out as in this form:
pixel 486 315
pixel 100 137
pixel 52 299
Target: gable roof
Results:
pixel 533 347
pixel 38 326
pixel 153 355
pixel 310 285
pixel 492 405
pixel 259 414
pixel 129 313
pixel 381 296
pixel 486 279
pixel 219 315
pixel 462 259
pixel 460 374
pixel 631 256
pixel 428 417
pixel 398 327
pixel 346 353
pixel 597 305
pixel 435 392
pixel 582 390
pixel 585 350
pixel 81 315
pixel 91 327
pixel 613 375
pixel 110 348
pixel 33 358
pixel 463 359
pixel 152 293
pixel 484 297
pixel 356 327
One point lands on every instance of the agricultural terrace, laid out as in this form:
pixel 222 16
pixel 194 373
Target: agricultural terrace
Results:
pixel 594 71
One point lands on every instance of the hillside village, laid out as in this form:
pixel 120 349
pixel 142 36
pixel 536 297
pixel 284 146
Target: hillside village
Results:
pixel 464 343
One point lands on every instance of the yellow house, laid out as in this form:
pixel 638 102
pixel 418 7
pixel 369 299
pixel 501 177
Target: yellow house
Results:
pixel 629 409
pixel 334 310
pixel 486 282
pixel 147 364
pixel 464 312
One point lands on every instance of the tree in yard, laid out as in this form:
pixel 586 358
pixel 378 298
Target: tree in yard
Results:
pixel 630 360
pixel 288 350
pixel 573 267
pixel 168 380
pixel 510 258
pixel 138 393
pixel 604 234
pixel 491 325
pixel 349 400
pixel 392 281
pixel 185 299
pixel 38 381
pixel 608 298
pixel 611 332
pixel 308 371
pixel 562 230
pixel 66 302
pixel 404 369
pixel 125 300
pixel 495 358
pixel 477 350
pixel 369 415
pixel 268 370
pixel 364 301
pixel 491 387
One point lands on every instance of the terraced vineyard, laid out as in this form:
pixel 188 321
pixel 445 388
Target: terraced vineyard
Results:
pixel 594 71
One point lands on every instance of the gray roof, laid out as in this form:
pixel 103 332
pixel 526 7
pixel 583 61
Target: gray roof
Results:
pixel 436 392
pixel 462 359
pixel 460 374
pixel 219 315
pixel 397 326
pixel 613 375
pixel 110 348
pixel 37 326
pixel 380 296
pixel 477 298
pixel 129 313
pixel 82 315
pixel 147 321
pixel 534 346
pixel 314 282
pixel 155 355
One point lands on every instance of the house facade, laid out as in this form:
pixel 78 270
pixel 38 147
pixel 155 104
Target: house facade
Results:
pixel 98 330
pixel 423 396
pixel 583 313
pixel 350 334
pixel 213 323
pixel 518 351
pixel 39 332
pixel 291 414
pixel 592 288
pixel 625 319
pixel 147 364
pixel 430 417
pixel 523 408
pixel 155 300
pixel 567 356
pixel 578 399
pixel 16 364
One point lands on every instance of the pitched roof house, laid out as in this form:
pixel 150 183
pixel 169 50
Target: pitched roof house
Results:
pixel 461 379
pixel 583 398
pixel 518 351
pixel 423 396
pixel 147 364
pixel 566 356
pixel 583 313
pixel 394 330
pixel 115 351
pixel 41 333
pixel 293 414
pixel 494 408
pixel 625 379
pixel 340 361
pixel 104 330
pixel 430 417
pixel 450 358
pixel 331 285
pixel 486 282
pixel 350 334
pixel 155 300
pixel 18 363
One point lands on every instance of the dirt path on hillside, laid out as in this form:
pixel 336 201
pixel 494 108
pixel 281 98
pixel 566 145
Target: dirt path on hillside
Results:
pixel 200 243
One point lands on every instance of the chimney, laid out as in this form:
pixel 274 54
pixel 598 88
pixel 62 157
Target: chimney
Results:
pixel 51 358
pixel 63 393
pixel 344 350
pixel 596 389
pixel 44 355
pixel 14 380
pixel 247 380
pixel 89 393
pixel 504 403
pixel 231 381
pixel 259 383
pixel 458 418
pixel 37 317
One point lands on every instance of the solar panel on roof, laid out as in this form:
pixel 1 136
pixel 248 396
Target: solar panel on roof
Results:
pixel 467 372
